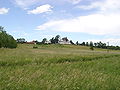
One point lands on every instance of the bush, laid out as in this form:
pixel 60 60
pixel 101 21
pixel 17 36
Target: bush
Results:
pixel 6 40
pixel 35 47
pixel 91 48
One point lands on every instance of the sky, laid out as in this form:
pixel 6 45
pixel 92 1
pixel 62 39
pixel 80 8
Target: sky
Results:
pixel 79 20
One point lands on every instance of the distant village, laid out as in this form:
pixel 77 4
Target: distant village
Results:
pixel 65 40
pixel 56 40
pixel 7 41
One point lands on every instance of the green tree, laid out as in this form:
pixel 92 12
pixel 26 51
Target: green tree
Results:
pixel 72 42
pixel 52 41
pixel 87 44
pixel 6 40
pixel 77 43
pixel 57 38
pixel 95 44
pixel 91 43
pixel 21 40
pixel 44 40
pixel 83 43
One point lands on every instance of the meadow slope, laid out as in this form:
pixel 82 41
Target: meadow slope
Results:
pixel 59 67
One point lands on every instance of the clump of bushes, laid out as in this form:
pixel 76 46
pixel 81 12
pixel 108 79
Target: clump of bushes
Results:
pixel 91 48
pixel 6 40
pixel 35 47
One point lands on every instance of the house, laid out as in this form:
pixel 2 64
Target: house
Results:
pixel 21 40
pixel 32 42
pixel 64 41
pixel 47 42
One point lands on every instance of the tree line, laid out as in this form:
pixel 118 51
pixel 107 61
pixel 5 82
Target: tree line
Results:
pixel 57 38
pixel 98 45
pixel 53 40
pixel 6 40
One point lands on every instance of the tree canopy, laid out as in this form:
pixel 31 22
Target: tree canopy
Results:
pixel 6 40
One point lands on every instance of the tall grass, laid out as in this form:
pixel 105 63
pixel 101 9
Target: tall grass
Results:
pixel 59 67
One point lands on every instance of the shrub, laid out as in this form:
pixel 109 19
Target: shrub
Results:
pixel 35 47
pixel 91 48
pixel 6 40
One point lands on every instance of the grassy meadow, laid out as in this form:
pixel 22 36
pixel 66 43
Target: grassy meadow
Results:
pixel 59 67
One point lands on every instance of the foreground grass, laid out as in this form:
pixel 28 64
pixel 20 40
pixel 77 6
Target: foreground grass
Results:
pixel 59 67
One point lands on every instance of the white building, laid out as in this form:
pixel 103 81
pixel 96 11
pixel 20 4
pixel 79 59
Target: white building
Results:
pixel 47 42
pixel 64 41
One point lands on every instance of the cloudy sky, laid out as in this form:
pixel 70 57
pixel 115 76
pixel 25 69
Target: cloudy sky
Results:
pixel 79 20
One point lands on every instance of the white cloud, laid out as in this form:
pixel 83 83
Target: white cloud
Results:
pixel 91 6
pixel 104 5
pixel 41 9
pixel 97 24
pixel 25 3
pixel 4 10
pixel 74 1
pixel 105 21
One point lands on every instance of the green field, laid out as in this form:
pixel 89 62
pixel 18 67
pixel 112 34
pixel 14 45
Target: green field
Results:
pixel 59 67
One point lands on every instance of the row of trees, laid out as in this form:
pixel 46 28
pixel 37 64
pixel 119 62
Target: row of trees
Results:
pixel 53 40
pixel 21 40
pixel 98 45
pixel 6 40
pixel 57 38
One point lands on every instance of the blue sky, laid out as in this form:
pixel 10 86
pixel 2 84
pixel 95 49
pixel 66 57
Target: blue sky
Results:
pixel 79 20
